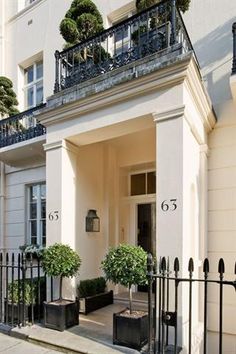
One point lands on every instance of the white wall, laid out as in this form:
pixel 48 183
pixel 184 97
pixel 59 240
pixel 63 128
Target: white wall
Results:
pixel 209 25
pixel 15 203
pixel 222 210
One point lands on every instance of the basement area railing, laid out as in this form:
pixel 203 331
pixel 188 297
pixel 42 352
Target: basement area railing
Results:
pixel 148 32
pixel 234 48
pixel 169 292
pixel 20 127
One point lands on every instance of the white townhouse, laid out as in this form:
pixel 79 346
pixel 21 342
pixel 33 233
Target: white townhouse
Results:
pixel 143 138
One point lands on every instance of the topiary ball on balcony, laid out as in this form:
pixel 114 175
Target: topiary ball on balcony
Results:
pixel 82 20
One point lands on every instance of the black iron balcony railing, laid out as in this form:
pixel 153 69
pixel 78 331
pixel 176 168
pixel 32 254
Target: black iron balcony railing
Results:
pixel 148 32
pixel 234 48
pixel 20 127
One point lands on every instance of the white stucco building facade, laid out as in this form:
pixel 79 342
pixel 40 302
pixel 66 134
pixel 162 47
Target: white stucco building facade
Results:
pixel 151 143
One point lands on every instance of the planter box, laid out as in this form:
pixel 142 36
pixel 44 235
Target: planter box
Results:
pixel 60 315
pixel 130 331
pixel 95 302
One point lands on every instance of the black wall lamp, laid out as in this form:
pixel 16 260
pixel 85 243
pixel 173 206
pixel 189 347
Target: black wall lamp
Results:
pixel 92 221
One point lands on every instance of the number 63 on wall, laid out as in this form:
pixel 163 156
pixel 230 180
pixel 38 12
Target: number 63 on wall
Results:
pixel 169 205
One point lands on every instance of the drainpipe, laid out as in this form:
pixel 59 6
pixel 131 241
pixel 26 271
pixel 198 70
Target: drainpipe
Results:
pixel 2 205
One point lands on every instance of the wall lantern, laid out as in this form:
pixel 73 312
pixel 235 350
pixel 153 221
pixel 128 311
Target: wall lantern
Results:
pixel 92 221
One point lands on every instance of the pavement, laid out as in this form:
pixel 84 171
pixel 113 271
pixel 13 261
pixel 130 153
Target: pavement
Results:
pixel 93 335
pixel 17 346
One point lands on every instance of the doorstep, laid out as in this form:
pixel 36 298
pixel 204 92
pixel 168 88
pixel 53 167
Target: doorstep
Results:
pixel 92 336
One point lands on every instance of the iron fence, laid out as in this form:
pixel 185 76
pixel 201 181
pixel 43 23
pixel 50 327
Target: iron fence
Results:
pixel 148 32
pixel 166 286
pixel 22 289
pixel 234 48
pixel 20 127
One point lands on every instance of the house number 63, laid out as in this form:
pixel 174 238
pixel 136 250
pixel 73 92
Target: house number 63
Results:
pixel 53 215
pixel 169 205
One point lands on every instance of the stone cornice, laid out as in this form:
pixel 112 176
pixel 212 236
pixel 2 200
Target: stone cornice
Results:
pixel 169 76
pixel 171 113
pixel 194 84
pixel 61 144
pixel 183 70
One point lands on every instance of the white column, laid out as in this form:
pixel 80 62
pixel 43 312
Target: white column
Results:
pixel 61 192
pixel 61 199
pixel 179 200
pixel 169 174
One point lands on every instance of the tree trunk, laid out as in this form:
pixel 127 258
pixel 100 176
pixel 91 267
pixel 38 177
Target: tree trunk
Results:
pixel 60 289
pixel 130 299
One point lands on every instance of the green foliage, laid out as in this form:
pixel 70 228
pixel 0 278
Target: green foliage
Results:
pixel 35 250
pixel 15 294
pixel 183 5
pixel 69 31
pixel 126 265
pixel 8 99
pixel 90 287
pixel 60 260
pixel 81 21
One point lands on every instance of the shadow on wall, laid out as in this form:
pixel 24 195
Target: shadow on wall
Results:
pixel 214 52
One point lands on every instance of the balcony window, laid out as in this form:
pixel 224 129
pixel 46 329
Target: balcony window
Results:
pixel 37 214
pixel 34 85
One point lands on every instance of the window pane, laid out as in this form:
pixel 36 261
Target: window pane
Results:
pixel 30 96
pixel 33 211
pixel 151 182
pixel 39 70
pixel 33 228
pixel 29 74
pixel 33 193
pixel 33 240
pixel 43 210
pixel 138 184
pixel 39 93
pixel 43 228
pixel 43 191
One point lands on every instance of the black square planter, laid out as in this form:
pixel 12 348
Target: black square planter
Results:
pixel 130 331
pixel 95 302
pixel 61 314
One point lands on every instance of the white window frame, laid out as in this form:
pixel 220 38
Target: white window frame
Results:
pixel 32 84
pixel 146 185
pixel 38 219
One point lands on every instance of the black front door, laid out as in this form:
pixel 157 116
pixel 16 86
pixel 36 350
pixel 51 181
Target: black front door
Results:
pixel 146 230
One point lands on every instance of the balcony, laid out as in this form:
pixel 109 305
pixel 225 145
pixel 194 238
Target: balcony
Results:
pixel 21 137
pixel 157 31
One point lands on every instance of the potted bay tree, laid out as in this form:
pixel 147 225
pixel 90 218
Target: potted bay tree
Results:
pixel 127 265
pixel 61 261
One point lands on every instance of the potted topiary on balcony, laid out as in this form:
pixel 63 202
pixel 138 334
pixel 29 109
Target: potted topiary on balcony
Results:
pixel 126 265
pixel 61 261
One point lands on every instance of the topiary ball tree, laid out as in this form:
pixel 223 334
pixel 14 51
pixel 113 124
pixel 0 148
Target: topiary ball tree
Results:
pixel 126 265
pixel 183 5
pixel 8 101
pixel 60 261
pixel 82 20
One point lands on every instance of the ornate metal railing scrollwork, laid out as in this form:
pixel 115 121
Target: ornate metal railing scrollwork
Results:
pixel 20 127
pixel 148 32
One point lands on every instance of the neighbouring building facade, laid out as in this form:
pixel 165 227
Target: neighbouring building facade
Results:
pixel 146 137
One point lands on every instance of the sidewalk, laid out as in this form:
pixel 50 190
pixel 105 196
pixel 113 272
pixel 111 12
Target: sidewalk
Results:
pixel 11 345
pixel 93 335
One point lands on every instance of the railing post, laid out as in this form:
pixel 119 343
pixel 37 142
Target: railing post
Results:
pixel 234 48
pixel 57 86
pixel 150 310
pixel 173 22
